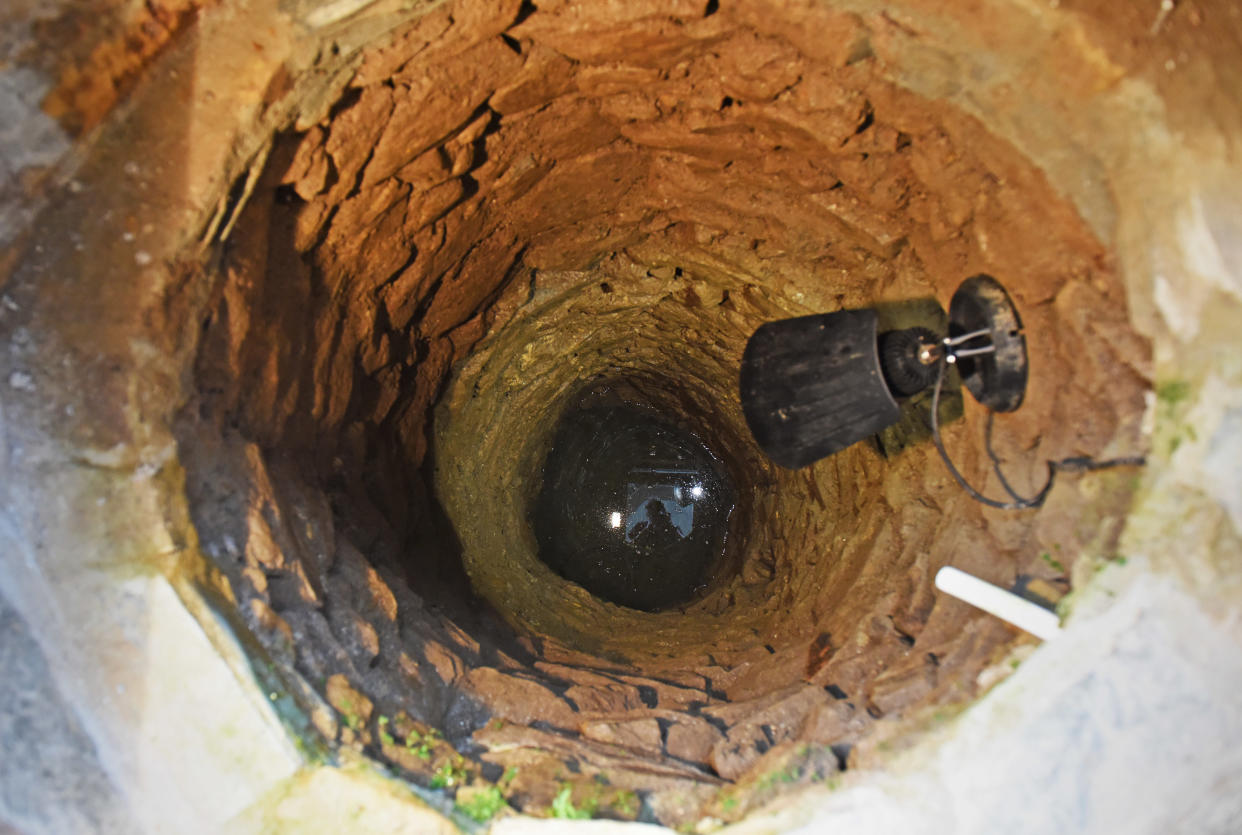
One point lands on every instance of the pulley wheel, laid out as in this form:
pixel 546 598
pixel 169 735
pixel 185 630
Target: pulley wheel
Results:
pixel 900 360
pixel 997 379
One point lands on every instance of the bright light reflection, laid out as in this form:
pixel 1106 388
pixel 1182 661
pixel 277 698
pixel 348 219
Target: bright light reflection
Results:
pixel 615 519
pixel 697 491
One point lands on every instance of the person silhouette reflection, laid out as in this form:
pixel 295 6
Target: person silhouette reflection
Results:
pixel 657 530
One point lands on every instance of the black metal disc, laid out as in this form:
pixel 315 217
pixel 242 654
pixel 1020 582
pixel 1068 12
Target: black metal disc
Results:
pixel 998 379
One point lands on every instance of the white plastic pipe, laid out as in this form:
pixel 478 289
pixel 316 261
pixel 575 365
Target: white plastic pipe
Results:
pixel 996 601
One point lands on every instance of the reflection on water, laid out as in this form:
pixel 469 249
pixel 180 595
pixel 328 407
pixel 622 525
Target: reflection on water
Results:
pixel 632 508
pixel 665 500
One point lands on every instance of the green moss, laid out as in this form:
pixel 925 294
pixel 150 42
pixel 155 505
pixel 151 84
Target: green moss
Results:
pixel 780 775
pixel 418 746
pixel 563 806
pixel 1172 392
pixel 483 805
pixel 450 774
pixel 384 736
pixel 1171 395
pixel 1054 563
pixel 626 804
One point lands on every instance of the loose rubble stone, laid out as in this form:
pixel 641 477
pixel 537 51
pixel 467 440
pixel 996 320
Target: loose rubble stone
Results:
pixel 640 734
pixel 692 739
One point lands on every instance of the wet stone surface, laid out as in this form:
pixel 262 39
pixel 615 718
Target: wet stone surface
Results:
pixel 631 507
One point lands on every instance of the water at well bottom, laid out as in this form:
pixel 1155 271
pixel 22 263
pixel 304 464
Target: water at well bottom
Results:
pixel 632 507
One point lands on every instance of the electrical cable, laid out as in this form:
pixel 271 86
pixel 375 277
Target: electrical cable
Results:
pixel 1074 464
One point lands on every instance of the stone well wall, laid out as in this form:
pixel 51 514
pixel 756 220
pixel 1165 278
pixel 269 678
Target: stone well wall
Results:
pixel 288 319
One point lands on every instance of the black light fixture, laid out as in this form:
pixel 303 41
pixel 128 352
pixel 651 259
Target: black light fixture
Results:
pixel 813 385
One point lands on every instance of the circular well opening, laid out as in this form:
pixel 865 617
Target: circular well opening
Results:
pixel 500 208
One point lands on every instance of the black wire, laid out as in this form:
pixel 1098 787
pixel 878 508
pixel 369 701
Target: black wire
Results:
pixel 1076 464
pixel 996 462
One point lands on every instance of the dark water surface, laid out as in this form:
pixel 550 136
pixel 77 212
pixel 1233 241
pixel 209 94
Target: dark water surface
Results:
pixel 632 508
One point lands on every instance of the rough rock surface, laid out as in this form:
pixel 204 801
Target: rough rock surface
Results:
pixel 540 200
pixel 448 213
